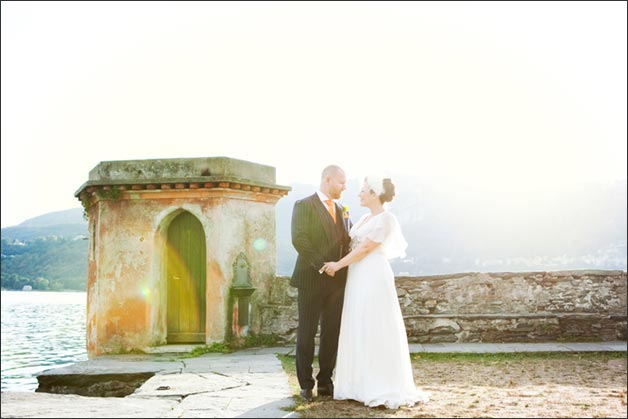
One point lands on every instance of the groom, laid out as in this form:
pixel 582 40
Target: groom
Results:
pixel 319 234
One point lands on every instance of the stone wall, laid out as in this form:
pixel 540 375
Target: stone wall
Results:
pixel 490 307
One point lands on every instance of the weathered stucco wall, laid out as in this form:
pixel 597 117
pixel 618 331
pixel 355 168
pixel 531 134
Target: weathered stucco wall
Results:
pixel 127 287
pixel 491 307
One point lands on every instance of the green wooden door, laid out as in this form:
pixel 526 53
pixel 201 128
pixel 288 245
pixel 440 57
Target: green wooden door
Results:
pixel 186 270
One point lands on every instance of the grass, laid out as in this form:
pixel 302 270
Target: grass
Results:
pixel 252 340
pixel 216 347
pixel 288 363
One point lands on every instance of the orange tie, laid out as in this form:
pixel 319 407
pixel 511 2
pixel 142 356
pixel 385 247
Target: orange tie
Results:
pixel 331 209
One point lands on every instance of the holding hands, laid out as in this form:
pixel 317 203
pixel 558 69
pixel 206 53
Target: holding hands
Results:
pixel 330 268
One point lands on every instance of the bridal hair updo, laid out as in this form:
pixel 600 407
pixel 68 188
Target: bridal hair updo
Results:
pixel 383 188
pixel 389 191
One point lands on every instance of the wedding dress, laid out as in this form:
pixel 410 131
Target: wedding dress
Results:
pixel 373 364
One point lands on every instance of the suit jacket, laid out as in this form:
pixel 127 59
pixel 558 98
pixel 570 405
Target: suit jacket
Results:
pixel 317 240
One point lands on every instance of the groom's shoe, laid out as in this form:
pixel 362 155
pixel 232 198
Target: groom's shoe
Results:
pixel 325 390
pixel 306 394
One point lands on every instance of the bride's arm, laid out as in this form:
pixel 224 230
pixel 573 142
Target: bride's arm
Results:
pixel 357 254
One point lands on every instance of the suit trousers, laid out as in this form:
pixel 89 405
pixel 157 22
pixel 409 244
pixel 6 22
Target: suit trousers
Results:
pixel 324 305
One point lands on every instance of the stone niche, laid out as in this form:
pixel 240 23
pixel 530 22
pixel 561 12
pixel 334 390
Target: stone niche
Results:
pixel 163 239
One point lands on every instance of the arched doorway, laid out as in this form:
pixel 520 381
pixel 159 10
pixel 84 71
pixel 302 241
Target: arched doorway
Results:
pixel 186 273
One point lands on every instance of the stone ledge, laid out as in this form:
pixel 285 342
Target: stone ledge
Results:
pixel 517 316
pixel 92 385
pixel 508 275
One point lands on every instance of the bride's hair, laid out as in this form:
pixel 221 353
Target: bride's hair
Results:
pixel 389 191
pixel 382 188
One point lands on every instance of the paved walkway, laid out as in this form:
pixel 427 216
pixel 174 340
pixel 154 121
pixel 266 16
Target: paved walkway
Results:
pixel 249 383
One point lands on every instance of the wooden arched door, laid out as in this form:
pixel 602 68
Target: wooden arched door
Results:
pixel 186 272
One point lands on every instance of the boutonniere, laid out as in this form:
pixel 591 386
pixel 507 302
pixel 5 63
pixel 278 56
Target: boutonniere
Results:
pixel 345 217
pixel 345 212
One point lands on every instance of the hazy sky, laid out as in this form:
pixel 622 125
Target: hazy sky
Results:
pixel 497 94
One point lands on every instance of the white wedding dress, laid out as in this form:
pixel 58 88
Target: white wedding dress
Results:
pixel 373 364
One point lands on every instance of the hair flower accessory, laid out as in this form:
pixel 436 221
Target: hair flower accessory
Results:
pixel 375 183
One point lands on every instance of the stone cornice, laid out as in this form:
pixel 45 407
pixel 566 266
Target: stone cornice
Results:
pixel 190 183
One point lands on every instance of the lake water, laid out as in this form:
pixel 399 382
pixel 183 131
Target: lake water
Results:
pixel 40 330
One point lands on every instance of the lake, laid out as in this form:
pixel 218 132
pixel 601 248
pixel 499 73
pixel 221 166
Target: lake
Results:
pixel 40 330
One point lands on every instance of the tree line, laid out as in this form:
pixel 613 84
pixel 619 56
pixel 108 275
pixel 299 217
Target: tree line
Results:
pixel 47 263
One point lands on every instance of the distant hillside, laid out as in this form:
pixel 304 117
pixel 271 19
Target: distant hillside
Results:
pixel 452 228
pixel 68 223
pixel 449 229
pixel 46 252
pixel 65 217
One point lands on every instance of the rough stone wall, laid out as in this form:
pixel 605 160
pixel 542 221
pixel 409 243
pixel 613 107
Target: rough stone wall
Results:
pixel 491 307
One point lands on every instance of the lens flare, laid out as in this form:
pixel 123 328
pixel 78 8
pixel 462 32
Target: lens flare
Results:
pixel 259 244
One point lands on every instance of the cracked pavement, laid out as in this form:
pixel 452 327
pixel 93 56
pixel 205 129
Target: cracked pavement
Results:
pixel 248 383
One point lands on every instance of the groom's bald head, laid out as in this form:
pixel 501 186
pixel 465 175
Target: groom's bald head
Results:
pixel 333 181
pixel 330 171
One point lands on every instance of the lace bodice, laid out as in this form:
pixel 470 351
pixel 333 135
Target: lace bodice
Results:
pixel 382 228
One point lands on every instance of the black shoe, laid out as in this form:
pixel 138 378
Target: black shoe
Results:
pixel 306 394
pixel 325 390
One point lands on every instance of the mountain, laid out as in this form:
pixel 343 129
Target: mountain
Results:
pixel 57 218
pixel 46 252
pixel 67 223
pixel 449 227
pixel 454 227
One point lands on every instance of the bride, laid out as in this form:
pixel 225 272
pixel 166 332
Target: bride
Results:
pixel 373 364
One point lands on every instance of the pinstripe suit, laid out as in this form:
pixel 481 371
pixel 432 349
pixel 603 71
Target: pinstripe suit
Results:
pixel 317 240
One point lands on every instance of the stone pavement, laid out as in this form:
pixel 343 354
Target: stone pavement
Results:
pixel 249 383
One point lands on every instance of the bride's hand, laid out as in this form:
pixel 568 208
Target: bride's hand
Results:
pixel 326 269
pixel 331 268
